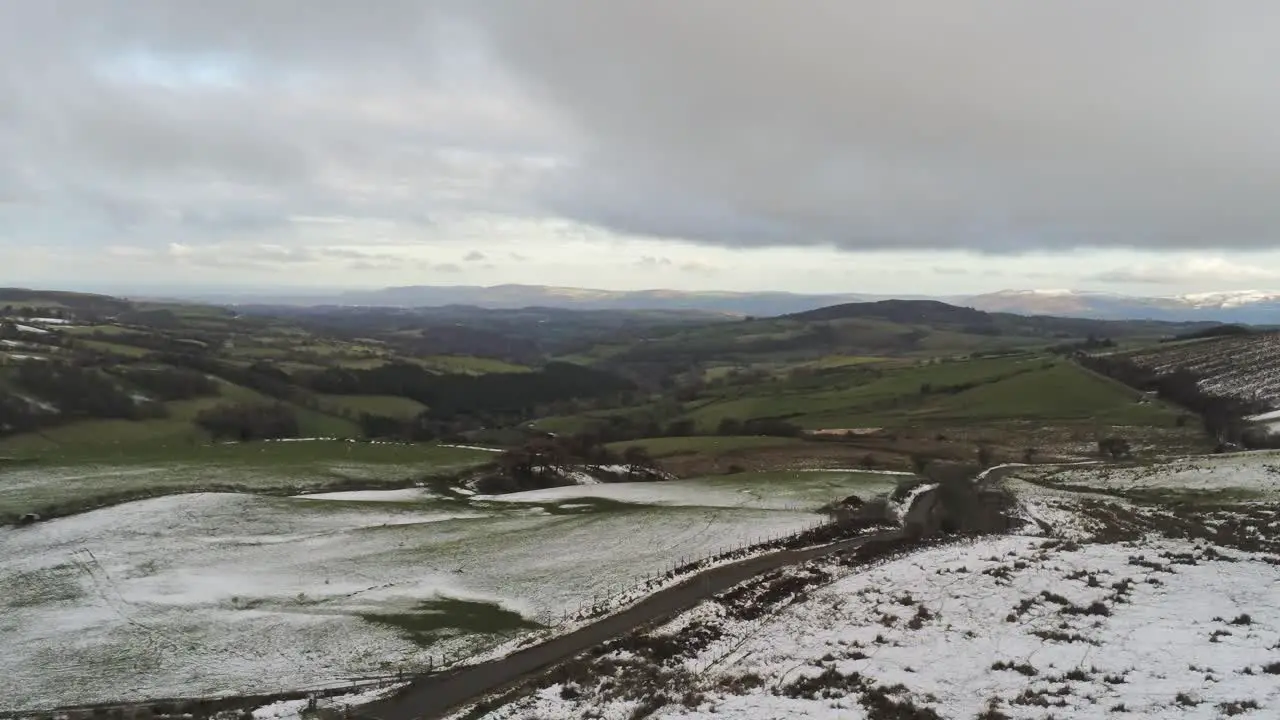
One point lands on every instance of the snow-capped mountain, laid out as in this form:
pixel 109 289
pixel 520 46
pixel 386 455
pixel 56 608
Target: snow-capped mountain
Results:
pixel 1229 299
pixel 1242 306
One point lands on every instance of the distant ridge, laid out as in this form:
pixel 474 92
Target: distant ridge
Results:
pixel 1251 307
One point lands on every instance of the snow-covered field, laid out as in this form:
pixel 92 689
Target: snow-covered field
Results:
pixel 1023 627
pixel 217 593
pixel 1253 475
pixel 1101 607
pixel 798 490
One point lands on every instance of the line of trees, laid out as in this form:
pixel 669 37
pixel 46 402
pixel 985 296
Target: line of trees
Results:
pixel 1222 417
pixel 501 395
pixel 545 462
pixel 51 393
pixel 85 392
pixel 249 421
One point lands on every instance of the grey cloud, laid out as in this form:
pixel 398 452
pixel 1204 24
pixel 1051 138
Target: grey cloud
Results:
pixel 694 266
pixel 203 121
pixel 866 125
pixel 241 255
pixel 475 256
pixel 922 123
pixel 1189 272
pixel 447 268
pixel 649 261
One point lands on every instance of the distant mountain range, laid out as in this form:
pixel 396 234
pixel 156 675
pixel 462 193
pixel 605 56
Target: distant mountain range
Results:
pixel 1253 307
pixel 1244 306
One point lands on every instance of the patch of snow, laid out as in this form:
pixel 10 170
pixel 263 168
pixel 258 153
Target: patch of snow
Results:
pixel 281 710
pixel 1165 647
pixel 401 495
pixel 474 447
pixel 581 477
pixel 1273 415
pixel 296 709
pixel 902 507
pixel 1255 473
pixel 49 321
pixel 38 403
pixel 615 469
pixel 31 329
pixel 1228 299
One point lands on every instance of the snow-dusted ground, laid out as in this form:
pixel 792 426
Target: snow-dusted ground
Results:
pixel 1243 366
pixel 797 490
pixel 1247 475
pixel 35 486
pixel 1029 626
pixel 217 593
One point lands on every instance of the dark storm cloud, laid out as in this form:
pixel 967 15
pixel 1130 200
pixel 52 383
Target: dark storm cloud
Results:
pixel 983 124
pixel 992 126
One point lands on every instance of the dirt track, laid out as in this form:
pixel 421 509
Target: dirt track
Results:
pixel 436 695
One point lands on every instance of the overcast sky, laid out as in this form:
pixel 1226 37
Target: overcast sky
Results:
pixel 913 146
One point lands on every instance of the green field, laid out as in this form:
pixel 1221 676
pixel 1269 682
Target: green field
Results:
pixel 114 348
pixel 97 437
pixel 844 395
pixel 78 479
pixel 385 405
pixel 710 444
pixel 1007 388
pixel 1062 392
pixel 80 330
pixel 468 365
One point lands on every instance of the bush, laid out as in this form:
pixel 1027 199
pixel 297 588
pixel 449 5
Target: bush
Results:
pixel 1114 447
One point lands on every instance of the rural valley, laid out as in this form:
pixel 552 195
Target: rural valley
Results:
pixel 639 360
pixel 285 510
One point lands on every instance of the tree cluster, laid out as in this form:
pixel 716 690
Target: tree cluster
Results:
pixel 496 395
pixel 18 416
pixel 249 421
pixel 544 462
pixel 1114 447
pixel 1222 416
pixel 261 376
pixel 84 392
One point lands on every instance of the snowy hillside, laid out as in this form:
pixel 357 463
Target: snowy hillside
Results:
pixel 1121 610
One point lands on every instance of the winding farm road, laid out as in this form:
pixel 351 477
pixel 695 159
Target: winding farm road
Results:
pixel 434 696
